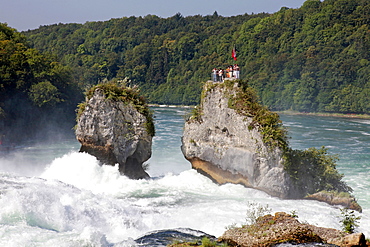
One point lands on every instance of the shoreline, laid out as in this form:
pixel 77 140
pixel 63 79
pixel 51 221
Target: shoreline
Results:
pixel 170 106
pixel 322 114
pixel 288 112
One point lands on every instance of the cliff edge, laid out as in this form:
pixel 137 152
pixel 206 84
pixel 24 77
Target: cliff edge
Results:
pixel 231 138
pixel 116 126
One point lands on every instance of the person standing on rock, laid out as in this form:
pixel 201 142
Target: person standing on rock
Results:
pixel 236 71
pixel 231 74
pixel 215 74
pixel 221 75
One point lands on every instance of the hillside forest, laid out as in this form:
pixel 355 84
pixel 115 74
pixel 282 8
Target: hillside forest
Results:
pixel 312 59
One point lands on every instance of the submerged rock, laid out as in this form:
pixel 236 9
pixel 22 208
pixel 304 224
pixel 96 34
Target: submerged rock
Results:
pixel 221 145
pixel 169 237
pixel 111 128
pixel 332 198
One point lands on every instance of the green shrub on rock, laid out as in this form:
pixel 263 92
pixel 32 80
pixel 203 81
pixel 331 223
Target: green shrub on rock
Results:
pixel 246 102
pixel 349 220
pixel 314 168
pixel 117 91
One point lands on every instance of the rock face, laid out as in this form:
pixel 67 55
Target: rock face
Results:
pixel 231 138
pixel 115 132
pixel 220 145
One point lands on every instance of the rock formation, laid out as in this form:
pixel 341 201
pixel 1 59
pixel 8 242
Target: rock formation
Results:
pixel 270 230
pixel 221 145
pixel 115 125
pixel 231 138
pixel 336 199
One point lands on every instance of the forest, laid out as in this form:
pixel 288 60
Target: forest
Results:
pixel 37 93
pixel 315 58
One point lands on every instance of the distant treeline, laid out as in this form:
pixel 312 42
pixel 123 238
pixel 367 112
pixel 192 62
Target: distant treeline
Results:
pixel 314 58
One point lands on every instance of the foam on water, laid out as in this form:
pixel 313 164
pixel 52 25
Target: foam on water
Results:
pixel 76 202
pixel 187 199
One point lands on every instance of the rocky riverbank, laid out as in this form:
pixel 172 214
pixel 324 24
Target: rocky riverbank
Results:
pixel 326 114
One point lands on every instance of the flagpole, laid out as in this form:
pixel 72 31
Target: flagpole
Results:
pixel 233 53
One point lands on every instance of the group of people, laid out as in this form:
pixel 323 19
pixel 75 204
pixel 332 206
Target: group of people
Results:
pixel 232 71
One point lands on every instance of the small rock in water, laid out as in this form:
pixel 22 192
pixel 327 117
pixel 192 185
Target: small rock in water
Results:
pixel 305 245
pixel 166 237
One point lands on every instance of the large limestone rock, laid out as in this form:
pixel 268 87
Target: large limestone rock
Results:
pixel 220 145
pixel 231 138
pixel 115 132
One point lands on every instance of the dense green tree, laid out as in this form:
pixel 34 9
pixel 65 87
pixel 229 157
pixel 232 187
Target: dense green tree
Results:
pixel 34 89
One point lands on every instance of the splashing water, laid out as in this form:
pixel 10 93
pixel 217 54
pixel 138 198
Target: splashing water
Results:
pixel 76 202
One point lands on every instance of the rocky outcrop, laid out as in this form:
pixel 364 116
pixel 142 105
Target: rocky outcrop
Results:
pixel 332 198
pixel 220 144
pixel 270 230
pixel 231 138
pixel 113 130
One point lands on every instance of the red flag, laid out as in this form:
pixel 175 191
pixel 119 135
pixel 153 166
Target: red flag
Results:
pixel 233 54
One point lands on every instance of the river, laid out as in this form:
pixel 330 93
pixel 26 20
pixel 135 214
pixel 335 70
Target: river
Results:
pixel 51 195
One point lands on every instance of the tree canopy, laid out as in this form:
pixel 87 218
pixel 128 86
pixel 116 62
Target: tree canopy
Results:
pixel 314 58
pixel 32 86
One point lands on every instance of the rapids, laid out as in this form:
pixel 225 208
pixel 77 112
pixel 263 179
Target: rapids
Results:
pixel 51 195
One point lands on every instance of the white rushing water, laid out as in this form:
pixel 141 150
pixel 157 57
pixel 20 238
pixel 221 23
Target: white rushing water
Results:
pixel 75 202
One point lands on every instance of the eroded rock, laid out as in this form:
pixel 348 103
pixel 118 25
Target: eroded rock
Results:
pixel 113 130
pixel 231 138
pixel 221 145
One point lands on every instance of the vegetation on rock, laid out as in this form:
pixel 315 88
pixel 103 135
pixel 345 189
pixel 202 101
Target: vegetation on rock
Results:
pixel 349 220
pixel 206 242
pixel 246 102
pixel 336 197
pixel 270 230
pixel 311 170
pixel 316 166
pixel 119 91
